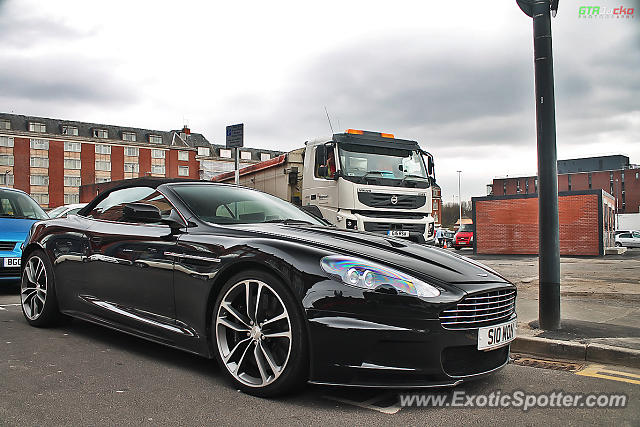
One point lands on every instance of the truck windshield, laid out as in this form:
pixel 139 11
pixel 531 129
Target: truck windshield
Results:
pixel 377 165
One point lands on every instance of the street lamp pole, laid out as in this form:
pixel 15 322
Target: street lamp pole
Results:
pixel 459 199
pixel 548 223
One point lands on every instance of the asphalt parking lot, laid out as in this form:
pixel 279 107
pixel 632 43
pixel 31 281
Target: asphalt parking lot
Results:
pixel 82 374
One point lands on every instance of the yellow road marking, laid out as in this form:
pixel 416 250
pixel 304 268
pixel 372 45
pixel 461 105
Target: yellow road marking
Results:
pixel 599 371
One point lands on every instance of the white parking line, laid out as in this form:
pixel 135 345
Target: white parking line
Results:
pixel 371 403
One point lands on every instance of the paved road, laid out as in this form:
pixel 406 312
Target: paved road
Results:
pixel 81 374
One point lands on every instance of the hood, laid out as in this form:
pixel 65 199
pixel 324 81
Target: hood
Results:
pixel 420 260
pixel 15 230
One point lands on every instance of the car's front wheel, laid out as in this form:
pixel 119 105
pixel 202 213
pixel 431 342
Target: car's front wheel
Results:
pixel 618 244
pixel 259 331
pixel 37 291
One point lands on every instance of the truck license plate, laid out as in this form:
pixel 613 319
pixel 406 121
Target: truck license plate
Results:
pixel 12 262
pixel 398 233
pixel 496 336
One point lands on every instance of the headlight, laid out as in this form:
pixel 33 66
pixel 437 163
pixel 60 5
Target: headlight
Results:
pixel 369 275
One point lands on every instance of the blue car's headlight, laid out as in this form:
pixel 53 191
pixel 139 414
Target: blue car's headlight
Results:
pixel 369 275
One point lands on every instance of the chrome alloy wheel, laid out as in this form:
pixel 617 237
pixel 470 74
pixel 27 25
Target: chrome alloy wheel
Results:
pixel 33 288
pixel 253 333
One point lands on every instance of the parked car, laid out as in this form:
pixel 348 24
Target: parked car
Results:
pixel 274 295
pixel 629 239
pixel 64 210
pixel 18 212
pixel 464 237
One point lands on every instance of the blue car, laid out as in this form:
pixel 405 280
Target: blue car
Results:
pixel 18 212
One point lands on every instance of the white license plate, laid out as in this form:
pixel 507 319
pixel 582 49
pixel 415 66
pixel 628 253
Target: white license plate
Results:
pixel 398 233
pixel 12 262
pixel 496 336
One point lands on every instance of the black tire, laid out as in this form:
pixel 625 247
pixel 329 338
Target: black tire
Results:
pixel 618 244
pixel 294 372
pixel 457 248
pixel 49 314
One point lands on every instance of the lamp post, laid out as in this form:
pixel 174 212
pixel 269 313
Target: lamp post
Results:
pixel 549 224
pixel 459 200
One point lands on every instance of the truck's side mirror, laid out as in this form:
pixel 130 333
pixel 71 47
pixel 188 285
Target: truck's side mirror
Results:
pixel 321 154
pixel 323 171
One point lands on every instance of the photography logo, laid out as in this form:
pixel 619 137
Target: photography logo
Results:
pixel 601 12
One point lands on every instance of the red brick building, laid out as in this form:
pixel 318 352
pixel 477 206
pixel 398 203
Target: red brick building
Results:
pixel 613 174
pixel 509 224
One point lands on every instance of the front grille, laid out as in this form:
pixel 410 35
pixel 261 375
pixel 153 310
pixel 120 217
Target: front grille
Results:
pixel 480 310
pixel 384 200
pixel 9 272
pixel 7 246
pixel 383 227
pixel 468 360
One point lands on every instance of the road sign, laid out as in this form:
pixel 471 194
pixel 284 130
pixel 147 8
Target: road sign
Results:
pixel 235 135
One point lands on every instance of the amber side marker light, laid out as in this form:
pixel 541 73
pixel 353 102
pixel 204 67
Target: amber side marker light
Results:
pixel 355 131
pixel 387 135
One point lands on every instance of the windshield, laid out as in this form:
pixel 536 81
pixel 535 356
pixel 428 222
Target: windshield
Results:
pixel 365 163
pixel 220 204
pixel 14 204
pixel 53 213
pixel 466 227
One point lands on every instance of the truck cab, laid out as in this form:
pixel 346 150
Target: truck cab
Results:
pixel 371 181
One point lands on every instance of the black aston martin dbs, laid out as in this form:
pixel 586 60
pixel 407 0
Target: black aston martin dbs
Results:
pixel 271 292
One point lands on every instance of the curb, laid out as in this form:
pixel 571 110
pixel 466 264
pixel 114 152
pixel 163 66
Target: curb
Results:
pixel 599 353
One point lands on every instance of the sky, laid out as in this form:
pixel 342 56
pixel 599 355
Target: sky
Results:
pixel 455 76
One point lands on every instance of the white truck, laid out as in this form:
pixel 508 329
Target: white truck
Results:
pixel 356 180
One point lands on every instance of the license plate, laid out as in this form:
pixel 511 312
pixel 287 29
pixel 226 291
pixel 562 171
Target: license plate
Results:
pixel 496 336
pixel 398 233
pixel 12 262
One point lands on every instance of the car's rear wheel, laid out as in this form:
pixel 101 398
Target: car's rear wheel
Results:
pixel 37 291
pixel 259 332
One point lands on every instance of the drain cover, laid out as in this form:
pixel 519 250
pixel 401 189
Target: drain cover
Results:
pixel 545 364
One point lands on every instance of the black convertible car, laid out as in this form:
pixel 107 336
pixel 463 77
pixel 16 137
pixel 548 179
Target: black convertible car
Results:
pixel 271 292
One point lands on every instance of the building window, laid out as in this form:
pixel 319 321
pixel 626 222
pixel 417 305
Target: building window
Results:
pixel 535 184
pixel 569 182
pixel 37 127
pixel 6 160
pixel 265 156
pixel 100 133
pixel 155 139
pixel 637 174
pixel 131 151
pixel 225 152
pixel 183 155
pixel 129 136
pixel 518 190
pixel 39 180
pixel 102 165
pixel 526 186
pixel 72 164
pixel 504 187
pixel 245 155
pixel 204 151
pixel 435 205
pixel 101 179
pixel 72 181
pixel 183 170
pixel 6 141
pixel 39 162
pixel 590 181
pixel 157 154
pixel 5 124
pixel 72 146
pixel 39 144
pixel 40 198
pixel 157 169
pixel 103 149
pixel 6 179
pixel 70 199
pixel 131 167
pixel 70 130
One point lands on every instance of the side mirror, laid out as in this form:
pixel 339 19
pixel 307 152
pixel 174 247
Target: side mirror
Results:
pixel 323 171
pixel 321 154
pixel 141 212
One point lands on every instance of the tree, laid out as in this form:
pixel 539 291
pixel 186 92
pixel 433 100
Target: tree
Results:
pixel 451 213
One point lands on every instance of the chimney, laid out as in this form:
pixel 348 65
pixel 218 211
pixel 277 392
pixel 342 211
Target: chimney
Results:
pixel 186 130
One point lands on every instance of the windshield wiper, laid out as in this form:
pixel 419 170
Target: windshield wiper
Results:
pixel 404 179
pixel 287 221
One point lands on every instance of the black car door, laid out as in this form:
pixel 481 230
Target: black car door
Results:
pixel 129 264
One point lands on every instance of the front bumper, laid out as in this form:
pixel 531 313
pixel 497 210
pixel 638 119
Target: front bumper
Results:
pixel 403 354
pixel 10 274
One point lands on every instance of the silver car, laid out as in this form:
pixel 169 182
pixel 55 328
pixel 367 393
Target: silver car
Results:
pixel 629 239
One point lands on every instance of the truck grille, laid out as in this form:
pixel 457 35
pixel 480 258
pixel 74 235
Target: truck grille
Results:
pixel 383 227
pixel 7 246
pixel 384 200
pixel 479 310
